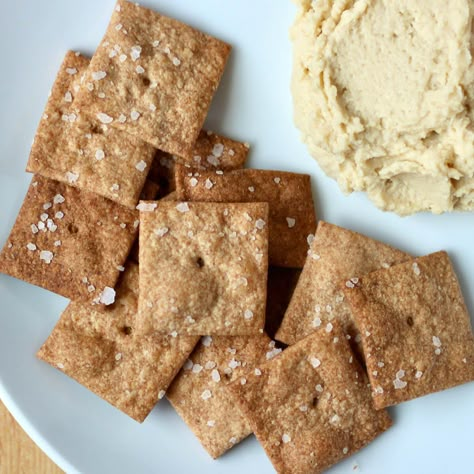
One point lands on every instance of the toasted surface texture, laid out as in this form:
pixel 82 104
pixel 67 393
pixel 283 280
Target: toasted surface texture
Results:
pixel 398 125
pixel 83 152
pixel 203 267
pixel 99 349
pixel 211 151
pixel 292 215
pixel 415 329
pixel 212 415
pixel 160 77
pixel 310 406
pixel 69 241
pixel 280 287
pixel 336 255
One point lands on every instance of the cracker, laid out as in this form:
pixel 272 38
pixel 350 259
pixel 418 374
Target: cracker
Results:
pixel 336 255
pixel 211 151
pixel 203 268
pixel 415 329
pixel 100 350
pixel 149 192
pixel 198 392
pixel 280 287
pixel 158 76
pixel 83 152
pixel 310 406
pixel 292 215
pixel 69 241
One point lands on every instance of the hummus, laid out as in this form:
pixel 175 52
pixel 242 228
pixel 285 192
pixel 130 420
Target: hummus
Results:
pixel 383 95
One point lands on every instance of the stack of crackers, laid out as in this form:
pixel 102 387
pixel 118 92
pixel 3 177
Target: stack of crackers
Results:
pixel 188 309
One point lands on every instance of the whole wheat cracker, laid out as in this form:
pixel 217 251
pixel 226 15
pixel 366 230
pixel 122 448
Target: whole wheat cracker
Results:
pixel 198 392
pixel 83 152
pixel 280 287
pixel 100 350
pixel 69 241
pixel 203 267
pixel 310 406
pixel 336 254
pixel 415 329
pixel 292 214
pixel 153 77
pixel 211 151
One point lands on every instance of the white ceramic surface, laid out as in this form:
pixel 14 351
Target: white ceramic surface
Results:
pixel 78 430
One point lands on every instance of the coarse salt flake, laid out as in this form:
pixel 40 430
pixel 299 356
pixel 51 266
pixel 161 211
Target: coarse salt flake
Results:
pixel 71 70
pixel 258 372
pixel 135 52
pixel 416 269
pixel 182 207
pixel 31 246
pixel 286 438
pixel 161 394
pixel 248 314
pixel 211 423
pixel 193 182
pixel 216 376
pixel 98 75
pixel 206 341
pixel 99 154
pixel 146 207
pixel 134 115
pixel 260 224
pixel 72 177
pixel 46 256
pixel 161 231
pixel 206 395
pixel 315 362
pixel 291 222
pixel 107 296
pixel 140 166
pixel 104 118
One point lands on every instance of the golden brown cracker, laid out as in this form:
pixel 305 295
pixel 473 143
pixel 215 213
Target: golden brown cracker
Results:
pixel 153 77
pixel 310 406
pixel 83 152
pixel 292 214
pixel 203 267
pixel 198 393
pixel 99 349
pixel 336 254
pixel 69 241
pixel 415 329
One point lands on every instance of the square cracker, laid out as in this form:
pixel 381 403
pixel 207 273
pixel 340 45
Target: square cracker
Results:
pixel 336 255
pixel 157 78
pixel 83 152
pixel 198 392
pixel 203 268
pixel 310 406
pixel 211 151
pixel 415 329
pixel 100 349
pixel 292 215
pixel 69 241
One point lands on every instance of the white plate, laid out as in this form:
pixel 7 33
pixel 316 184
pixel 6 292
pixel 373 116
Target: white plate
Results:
pixel 78 430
